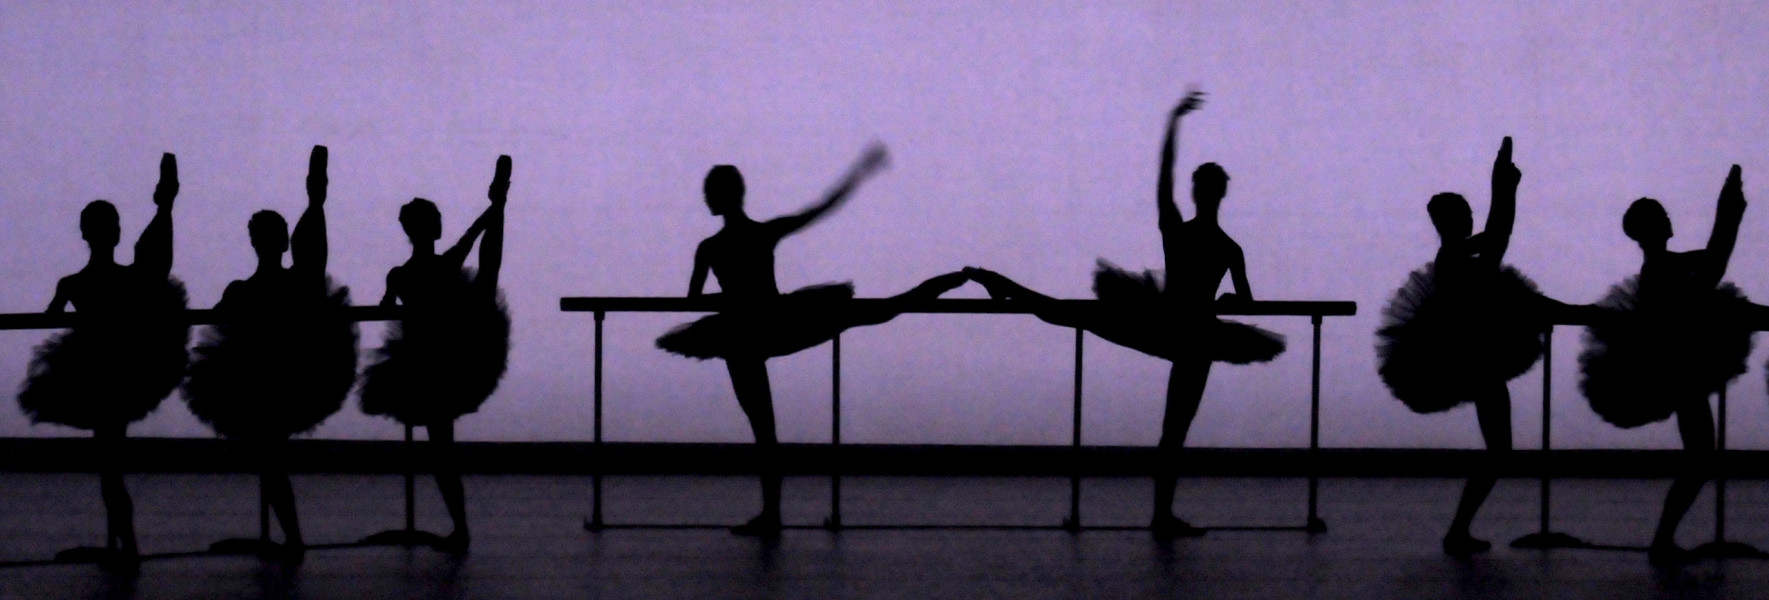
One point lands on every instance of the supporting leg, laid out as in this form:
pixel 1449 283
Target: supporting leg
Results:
pixel 1185 389
pixel 749 378
pixel 448 482
pixel 1493 410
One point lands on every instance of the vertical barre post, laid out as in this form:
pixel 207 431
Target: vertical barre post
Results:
pixel 411 505
pixel 596 503
pixel 835 433
pixel 1074 521
pixel 1315 524
pixel 1720 482
pixel 1547 418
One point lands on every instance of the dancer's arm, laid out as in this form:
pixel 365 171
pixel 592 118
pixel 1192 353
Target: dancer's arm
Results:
pixel 391 298
pixel 1501 218
pixel 1237 271
pixel 307 245
pixel 153 250
pixel 697 281
pixel 870 163
pixel 1728 213
pixel 59 304
pixel 1164 204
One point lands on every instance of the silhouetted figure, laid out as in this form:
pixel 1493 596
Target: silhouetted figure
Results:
pixel 124 355
pixel 1175 319
pixel 759 322
pixel 1680 338
pixel 447 355
pixel 285 357
pixel 1463 326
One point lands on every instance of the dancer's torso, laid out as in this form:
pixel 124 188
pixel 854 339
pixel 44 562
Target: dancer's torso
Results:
pixel 742 258
pixel 1198 254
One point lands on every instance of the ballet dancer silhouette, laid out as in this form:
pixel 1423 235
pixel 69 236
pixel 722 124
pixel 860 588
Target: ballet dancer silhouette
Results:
pixel 124 355
pixel 1681 338
pixel 448 354
pixel 283 360
pixel 1463 326
pixel 758 322
pixel 1176 321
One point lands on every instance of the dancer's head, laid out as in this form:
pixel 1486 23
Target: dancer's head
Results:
pixel 269 233
pixel 1209 185
pixel 98 225
pixel 421 221
pixel 1451 216
pixel 724 190
pixel 1646 223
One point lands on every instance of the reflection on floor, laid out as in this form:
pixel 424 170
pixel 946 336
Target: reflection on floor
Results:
pixel 528 541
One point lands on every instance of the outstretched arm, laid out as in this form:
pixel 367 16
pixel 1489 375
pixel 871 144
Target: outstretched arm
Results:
pixel 307 245
pixel 153 250
pixel 870 163
pixel 1164 204
pixel 1728 213
pixel 1500 219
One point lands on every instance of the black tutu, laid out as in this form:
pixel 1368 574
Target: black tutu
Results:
pixel 1639 367
pixel 274 373
pixel 442 361
pixel 1133 313
pixel 761 329
pixel 111 369
pixel 1437 350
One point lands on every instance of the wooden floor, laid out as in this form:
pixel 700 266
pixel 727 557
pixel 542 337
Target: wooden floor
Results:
pixel 529 543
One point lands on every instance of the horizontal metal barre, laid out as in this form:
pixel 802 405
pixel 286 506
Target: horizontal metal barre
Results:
pixel 946 306
pixel 201 316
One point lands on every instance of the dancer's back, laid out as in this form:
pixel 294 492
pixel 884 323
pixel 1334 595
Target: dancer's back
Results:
pixel 741 256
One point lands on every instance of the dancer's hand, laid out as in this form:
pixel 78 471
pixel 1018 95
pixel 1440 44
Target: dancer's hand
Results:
pixel 1505 173
pixel 167 189
pixel 876 158
pixel 1231 298
pixel 1192 101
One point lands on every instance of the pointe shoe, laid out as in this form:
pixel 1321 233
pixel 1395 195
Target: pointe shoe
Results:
pixel 938 285
pixel 761 526
pixel 1168 527
pixel 1464 545
pixel 991 281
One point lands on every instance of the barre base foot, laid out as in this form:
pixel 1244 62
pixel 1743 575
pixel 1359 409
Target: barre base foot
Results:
pixel 405 537
pixel 1728 550
pixel 1549 539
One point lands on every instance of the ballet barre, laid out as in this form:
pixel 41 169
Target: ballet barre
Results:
pixel 1546 538
pixel 1315 310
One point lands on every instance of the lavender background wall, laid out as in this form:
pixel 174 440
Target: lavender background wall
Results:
pixel 1024 138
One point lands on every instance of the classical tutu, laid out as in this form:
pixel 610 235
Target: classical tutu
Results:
pixel 1438 349
pixel 1136 315
pixel 1637 368
pixel 441 362
pixel 277 372
pixel 114 368
pixel 766 328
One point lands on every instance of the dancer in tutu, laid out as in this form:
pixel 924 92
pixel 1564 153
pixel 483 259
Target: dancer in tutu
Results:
pixel 447 355
pixel 123 356
pixel 1462 327
pixel 285 357
pixel 759 322
pixel 1176 321
pixel 1680 339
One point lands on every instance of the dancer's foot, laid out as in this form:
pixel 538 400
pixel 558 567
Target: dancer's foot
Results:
pixel 121 560
pixel 1463 545
pixel 764 525
pixel 1668 554
pixel 455 543
pixel 291 552
pixel 933 288
pixel 1169 527
pixel 1000 288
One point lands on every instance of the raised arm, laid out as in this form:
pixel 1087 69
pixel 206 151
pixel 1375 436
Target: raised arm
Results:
pixel 153 250
pixel 307 245
pixel 1502 216
pixel 870 163
pixel 1164 204
pixel 1728 213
